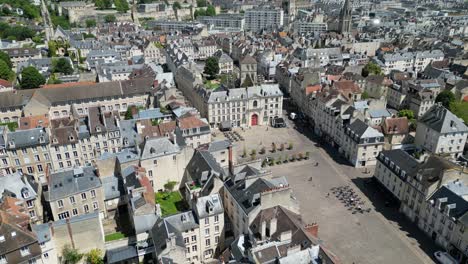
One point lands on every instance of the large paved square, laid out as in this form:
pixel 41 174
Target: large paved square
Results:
pixel 366 238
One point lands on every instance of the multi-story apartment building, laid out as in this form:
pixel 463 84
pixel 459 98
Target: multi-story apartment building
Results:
pixel 361 143
pixel 422 95
pixel 194 130
pixel 248 71
pixel 408 61
pixel 28 151
pixel 75 192
pixel 226 64
pixel 301 27
pixel 392 170
pixel 12 104
pixel 193 236
pixel 245 198
pixel 18 55
pixel 224 22
pixel 441 132
pixel 153 53
pixel 65 151
pixel 62 100
pixel 164 161
pixel 263 18
pixel 18 244
pixel 26 190
pixel 205 49
pixel 245 107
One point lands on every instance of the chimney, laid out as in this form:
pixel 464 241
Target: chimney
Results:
pixel 263 230
pixel 312 229
pixel 51 226
pixel 273 225
pixel 231 166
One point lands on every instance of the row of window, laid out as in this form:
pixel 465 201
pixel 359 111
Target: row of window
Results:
pixel 66 214
pixel 73 201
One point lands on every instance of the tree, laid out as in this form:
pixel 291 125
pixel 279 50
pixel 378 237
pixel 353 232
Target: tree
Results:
pixel 110 18
pixel 365 95
pixel 6 58
pixel 121 6
pixel 247 82
pixel 176 5
pixel 71 255
pixel 62 65
pixel 169 186
pixel 210 11
pixel 94 256
pixel 446 97
pixel 90 23
pixel 211 67
pixel 371 68
pixel 31 78
pixel 103 4
pixel 406 113
pixel 201 3
pixel 5 72
pixel 199 12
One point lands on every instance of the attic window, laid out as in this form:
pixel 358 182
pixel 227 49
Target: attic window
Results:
pixel 71 138
pixel 55 140
pixel 152 150
pixel 98 129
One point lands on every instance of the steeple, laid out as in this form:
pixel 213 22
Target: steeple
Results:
pixel 345 17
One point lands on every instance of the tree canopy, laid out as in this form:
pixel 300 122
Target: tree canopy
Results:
pixel 371 68
pixel 71 255
pixel 176 5
pixel 31 78
pixel 110 18
pixel 15 32
pixel 446 97
pixel 210 11
pixel 406 113
pixel 121 6
pixel 201 3
pixel 103 4
pixel 6 58
pixel 5 72
pixel 211 67
pixel 94 256
pixel 62 65
pixel 90 23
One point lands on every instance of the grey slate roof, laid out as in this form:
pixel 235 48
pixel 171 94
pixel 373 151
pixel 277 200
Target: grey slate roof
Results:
pixel 218 145
pixel 401 159
pixel 69 182
pixel 14 184
pixel 442 120
pixel 117 255
pixel 208 206
pixel 158 147
pixel 27 138
pixel 461 205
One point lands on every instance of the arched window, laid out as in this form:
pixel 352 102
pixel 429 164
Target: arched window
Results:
pixel 255 103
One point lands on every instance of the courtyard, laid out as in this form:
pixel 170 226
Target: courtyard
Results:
pixel 379 235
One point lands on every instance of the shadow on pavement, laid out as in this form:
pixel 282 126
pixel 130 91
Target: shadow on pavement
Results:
pixel 386 205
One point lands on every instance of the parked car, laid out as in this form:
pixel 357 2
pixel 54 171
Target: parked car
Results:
pixel 292 116
pixel 278 122
pixel 444 258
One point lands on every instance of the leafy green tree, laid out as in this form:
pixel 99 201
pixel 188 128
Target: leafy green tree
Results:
pixel 199 12
pixel 5 72
pixel 446 97
pixel 365 95
pixel 210 11
pixel 103 4
pixel 110 18
pixel 247 82
pixel 176 5
pixel 16 32
pixel 71 255
pixel 31 78
pixel 169 186
pixel 121 6
pixel 371 68
pixel 406 113
pixel 94 256
pixel 460 109
pixel 201 3
pixel 6 58
pixel 62 65
pixel 211 67
pixel 90 23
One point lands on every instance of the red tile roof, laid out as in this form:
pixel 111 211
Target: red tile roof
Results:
pixel 397 125
pixel 191 122
pixel 29 122
pixel 5 83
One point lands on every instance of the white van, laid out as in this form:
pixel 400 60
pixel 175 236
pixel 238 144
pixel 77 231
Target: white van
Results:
pixel 444 258
pixel 292 116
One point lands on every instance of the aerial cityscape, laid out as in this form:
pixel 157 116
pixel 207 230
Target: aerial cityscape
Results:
pixel 234 131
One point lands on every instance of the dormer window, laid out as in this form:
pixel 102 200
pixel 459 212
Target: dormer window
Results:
pixel 55 140
pixel 98 129
pixel 12 144
pixel 71 138
pixel 152 151
pixel 25 193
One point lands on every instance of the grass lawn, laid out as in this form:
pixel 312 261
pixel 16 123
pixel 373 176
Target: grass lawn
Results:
pixel 460 109
pixel 114 236
pixel 212 84
pixel 171 203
